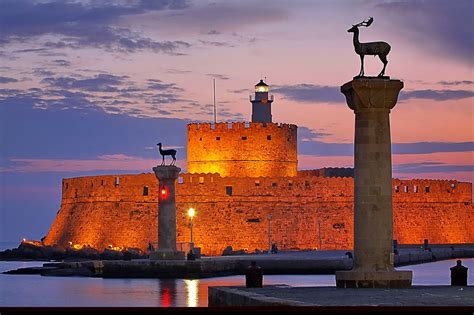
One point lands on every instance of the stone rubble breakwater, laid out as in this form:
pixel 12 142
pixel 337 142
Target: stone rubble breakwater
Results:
pixel 298 262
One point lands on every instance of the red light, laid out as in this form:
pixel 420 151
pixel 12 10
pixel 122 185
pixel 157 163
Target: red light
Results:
pixel 163 192
pixel 166 297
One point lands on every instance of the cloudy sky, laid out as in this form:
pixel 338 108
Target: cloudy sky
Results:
pixel 89 87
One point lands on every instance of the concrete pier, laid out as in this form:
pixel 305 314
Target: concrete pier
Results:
pixel 371 99
pixel 420 298
pixel 167 176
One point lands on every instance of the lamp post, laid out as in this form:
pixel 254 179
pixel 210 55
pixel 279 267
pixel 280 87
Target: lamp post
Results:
pixel 191 214
pixel 269 217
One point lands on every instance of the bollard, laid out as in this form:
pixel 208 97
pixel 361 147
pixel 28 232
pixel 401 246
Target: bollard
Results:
pixel 253 276
pixel 459 274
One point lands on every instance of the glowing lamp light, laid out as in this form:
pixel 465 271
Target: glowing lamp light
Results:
pixel 260 88
pixel 191 212
pixel 163 193
pixel 24 240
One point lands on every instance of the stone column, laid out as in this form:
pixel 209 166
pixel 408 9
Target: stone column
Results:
pixel 167 176
pixel 371 99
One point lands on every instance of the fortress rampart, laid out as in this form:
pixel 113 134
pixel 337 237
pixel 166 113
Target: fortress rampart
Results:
pixel 241 149
pixel 307 211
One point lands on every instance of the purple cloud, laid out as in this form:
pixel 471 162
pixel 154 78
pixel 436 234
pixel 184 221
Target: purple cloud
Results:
pixel 7 80
pixel 82 24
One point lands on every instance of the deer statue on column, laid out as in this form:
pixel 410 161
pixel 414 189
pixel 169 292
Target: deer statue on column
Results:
pixel 380 49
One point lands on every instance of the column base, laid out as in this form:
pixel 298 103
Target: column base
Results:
pixel 373 279
pixel 167 255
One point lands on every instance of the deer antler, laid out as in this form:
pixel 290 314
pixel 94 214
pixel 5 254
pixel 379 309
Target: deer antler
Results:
pixel 365 23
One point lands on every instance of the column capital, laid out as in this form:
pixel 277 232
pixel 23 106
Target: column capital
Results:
pixel 369 94
pixel 164 172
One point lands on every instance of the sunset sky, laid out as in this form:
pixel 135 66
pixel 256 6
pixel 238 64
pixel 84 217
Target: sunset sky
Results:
pixel 90 87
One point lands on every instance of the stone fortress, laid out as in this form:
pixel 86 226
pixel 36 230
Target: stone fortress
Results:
pixel 244 183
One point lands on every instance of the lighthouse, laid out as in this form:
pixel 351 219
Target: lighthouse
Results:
pixel 261 103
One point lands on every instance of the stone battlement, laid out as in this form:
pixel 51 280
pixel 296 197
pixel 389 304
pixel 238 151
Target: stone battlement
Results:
pixel 241 149
pixel 143 187
pixel 238 125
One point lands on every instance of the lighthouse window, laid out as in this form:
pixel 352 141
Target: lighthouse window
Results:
pixel 200 139
pixel 405 189
pixel 247 125
pixel 180 180
pixel 257 183
pixel 145 190
pixel 244 138
pixel 415 188
pixel 397 188
pixel 218 138
pixel 228 190
pixel 269 137
pixel 201 180
pixel 117 181
pixel 274 184
pixel 427 189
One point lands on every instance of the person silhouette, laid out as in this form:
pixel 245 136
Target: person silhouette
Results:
pixel 459 274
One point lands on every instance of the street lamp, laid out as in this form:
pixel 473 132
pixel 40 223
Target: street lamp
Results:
pixel 191 214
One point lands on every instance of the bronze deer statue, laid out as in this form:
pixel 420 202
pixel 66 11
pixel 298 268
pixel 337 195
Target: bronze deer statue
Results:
pixel 375 48
pixel 170 152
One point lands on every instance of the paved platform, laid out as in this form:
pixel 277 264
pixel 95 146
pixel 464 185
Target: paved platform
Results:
pixel 282 295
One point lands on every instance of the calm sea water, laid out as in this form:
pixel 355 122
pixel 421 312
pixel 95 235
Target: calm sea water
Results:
pixel 34 290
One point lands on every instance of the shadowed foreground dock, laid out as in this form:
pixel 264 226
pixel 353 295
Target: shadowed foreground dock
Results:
pixel 282 295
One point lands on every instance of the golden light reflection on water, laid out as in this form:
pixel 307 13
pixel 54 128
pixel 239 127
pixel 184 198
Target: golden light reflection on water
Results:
pixel 192 289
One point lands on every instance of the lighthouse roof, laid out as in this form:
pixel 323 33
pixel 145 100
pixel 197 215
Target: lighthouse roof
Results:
pixel 261 83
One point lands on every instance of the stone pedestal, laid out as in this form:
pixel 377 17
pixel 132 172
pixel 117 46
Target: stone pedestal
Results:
pixel 372 99
pixel 167 176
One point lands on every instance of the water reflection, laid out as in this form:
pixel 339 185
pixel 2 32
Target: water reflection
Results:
pixel 192 289
pixel 167 292
pixel 31 291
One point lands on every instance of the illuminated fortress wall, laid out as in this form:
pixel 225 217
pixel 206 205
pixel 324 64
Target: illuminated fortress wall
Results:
pixel 241 149
pixel 307 211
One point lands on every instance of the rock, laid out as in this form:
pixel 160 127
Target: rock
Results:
pixel 127 255
pixel 136 253
pixel 31 251
pixel 109 254
pixel 81 272
pixel 89 253
pixel 228 251
pixel 29 271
